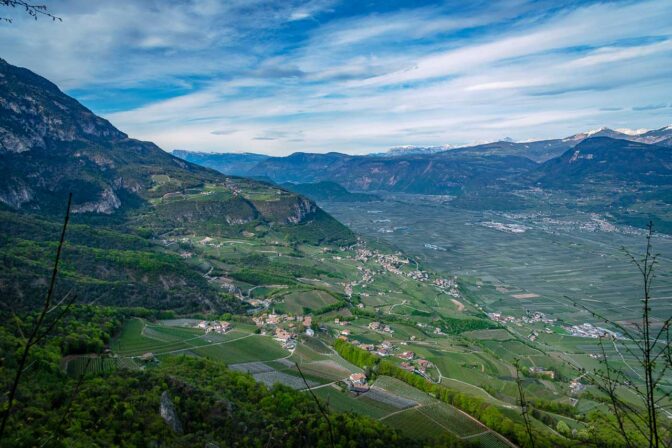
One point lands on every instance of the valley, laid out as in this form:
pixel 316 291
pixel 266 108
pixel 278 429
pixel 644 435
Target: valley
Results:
pixel 425 297
pixel 548 252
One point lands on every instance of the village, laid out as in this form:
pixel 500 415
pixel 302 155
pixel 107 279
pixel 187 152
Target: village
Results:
pixel 217 326
pixel 587 330
pixel 285 328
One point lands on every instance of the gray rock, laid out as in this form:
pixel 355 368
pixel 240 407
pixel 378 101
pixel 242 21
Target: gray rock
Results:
pixel 169 414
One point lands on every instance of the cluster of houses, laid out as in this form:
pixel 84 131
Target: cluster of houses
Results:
pixel 286 336
pixel 530 318
pixel 377 326
pixel 420 365
pixel 383 349
pixel 420 276
pixel 273 319
pixel 436 331
pixel 536 317
pixel 390 263
pixel 590 331
pixel 287 339
pixel 214 326
pixel 449 286
pixel 534 334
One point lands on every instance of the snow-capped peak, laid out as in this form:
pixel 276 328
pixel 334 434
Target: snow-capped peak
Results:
pixel 596 131
pixel 627 131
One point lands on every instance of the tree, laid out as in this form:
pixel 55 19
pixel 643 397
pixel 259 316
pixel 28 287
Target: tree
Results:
pixel 31 9
pixel 563 428
pixel 43 324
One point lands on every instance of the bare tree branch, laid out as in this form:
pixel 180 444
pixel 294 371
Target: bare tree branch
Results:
pixel 32 9
pixel 319 406
pixel 38 324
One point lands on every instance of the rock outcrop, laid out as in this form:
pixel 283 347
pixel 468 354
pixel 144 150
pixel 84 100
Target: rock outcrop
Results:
pixel 168 413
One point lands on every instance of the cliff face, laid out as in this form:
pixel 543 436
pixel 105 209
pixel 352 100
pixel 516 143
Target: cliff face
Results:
pixel 36 115
pixel 168 413
pixel 50 145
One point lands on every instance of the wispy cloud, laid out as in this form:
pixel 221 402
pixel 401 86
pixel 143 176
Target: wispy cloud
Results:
pixel 279 77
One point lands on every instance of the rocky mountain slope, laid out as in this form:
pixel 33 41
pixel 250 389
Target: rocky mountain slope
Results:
pixel 50 144
pixel 607 161
pixel 442 173
pixel 329 191
pixel 232 164
pixel 126 195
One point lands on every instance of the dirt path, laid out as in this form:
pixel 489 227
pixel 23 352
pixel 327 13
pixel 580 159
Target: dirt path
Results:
pixel 458 304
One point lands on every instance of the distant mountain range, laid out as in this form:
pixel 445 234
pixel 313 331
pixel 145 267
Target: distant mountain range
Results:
pixel 625 173
pixel 433 171
pixel 329 191
pixel 243 164
pixel 231 163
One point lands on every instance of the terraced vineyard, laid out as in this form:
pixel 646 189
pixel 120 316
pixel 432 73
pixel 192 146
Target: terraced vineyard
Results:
pixel 433 418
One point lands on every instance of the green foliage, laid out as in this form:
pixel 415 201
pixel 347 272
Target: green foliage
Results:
pixel 121 408
pixel 487 413
pixel 456 326
pixel 105 265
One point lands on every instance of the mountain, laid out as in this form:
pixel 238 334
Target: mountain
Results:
pixel 657 136
pixel 413 150
pixel 607 161
pixel 441 173
pixel 228 163
pixel 329 191
pixel 538 151
pixel 390 175
pixel 50 144
pixel 639 135
pixel 127 195
pixel 543 150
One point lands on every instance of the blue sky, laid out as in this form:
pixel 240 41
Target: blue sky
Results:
pixel 354 76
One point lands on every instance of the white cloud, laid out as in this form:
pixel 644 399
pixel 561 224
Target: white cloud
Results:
pixel 279 78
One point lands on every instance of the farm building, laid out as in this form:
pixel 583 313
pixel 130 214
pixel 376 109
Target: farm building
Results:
pixel 407 355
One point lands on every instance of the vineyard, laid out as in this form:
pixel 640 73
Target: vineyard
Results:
pixel 82 365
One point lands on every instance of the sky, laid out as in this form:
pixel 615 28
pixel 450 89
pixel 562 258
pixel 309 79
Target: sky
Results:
pixel 277 77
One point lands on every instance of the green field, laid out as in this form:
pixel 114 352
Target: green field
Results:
pixel 341 401
pixel 238 345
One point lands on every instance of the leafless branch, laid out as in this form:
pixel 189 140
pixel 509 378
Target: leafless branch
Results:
pixel 319 406
pixel 37 326
pixel 33 10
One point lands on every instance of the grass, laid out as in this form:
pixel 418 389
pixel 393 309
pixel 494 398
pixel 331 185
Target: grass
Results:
pixel 295 302
pixel 253 348
pixel 341 401
pixel 414 423
pixel 452 419
pixel 397 387
pixel 238 345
